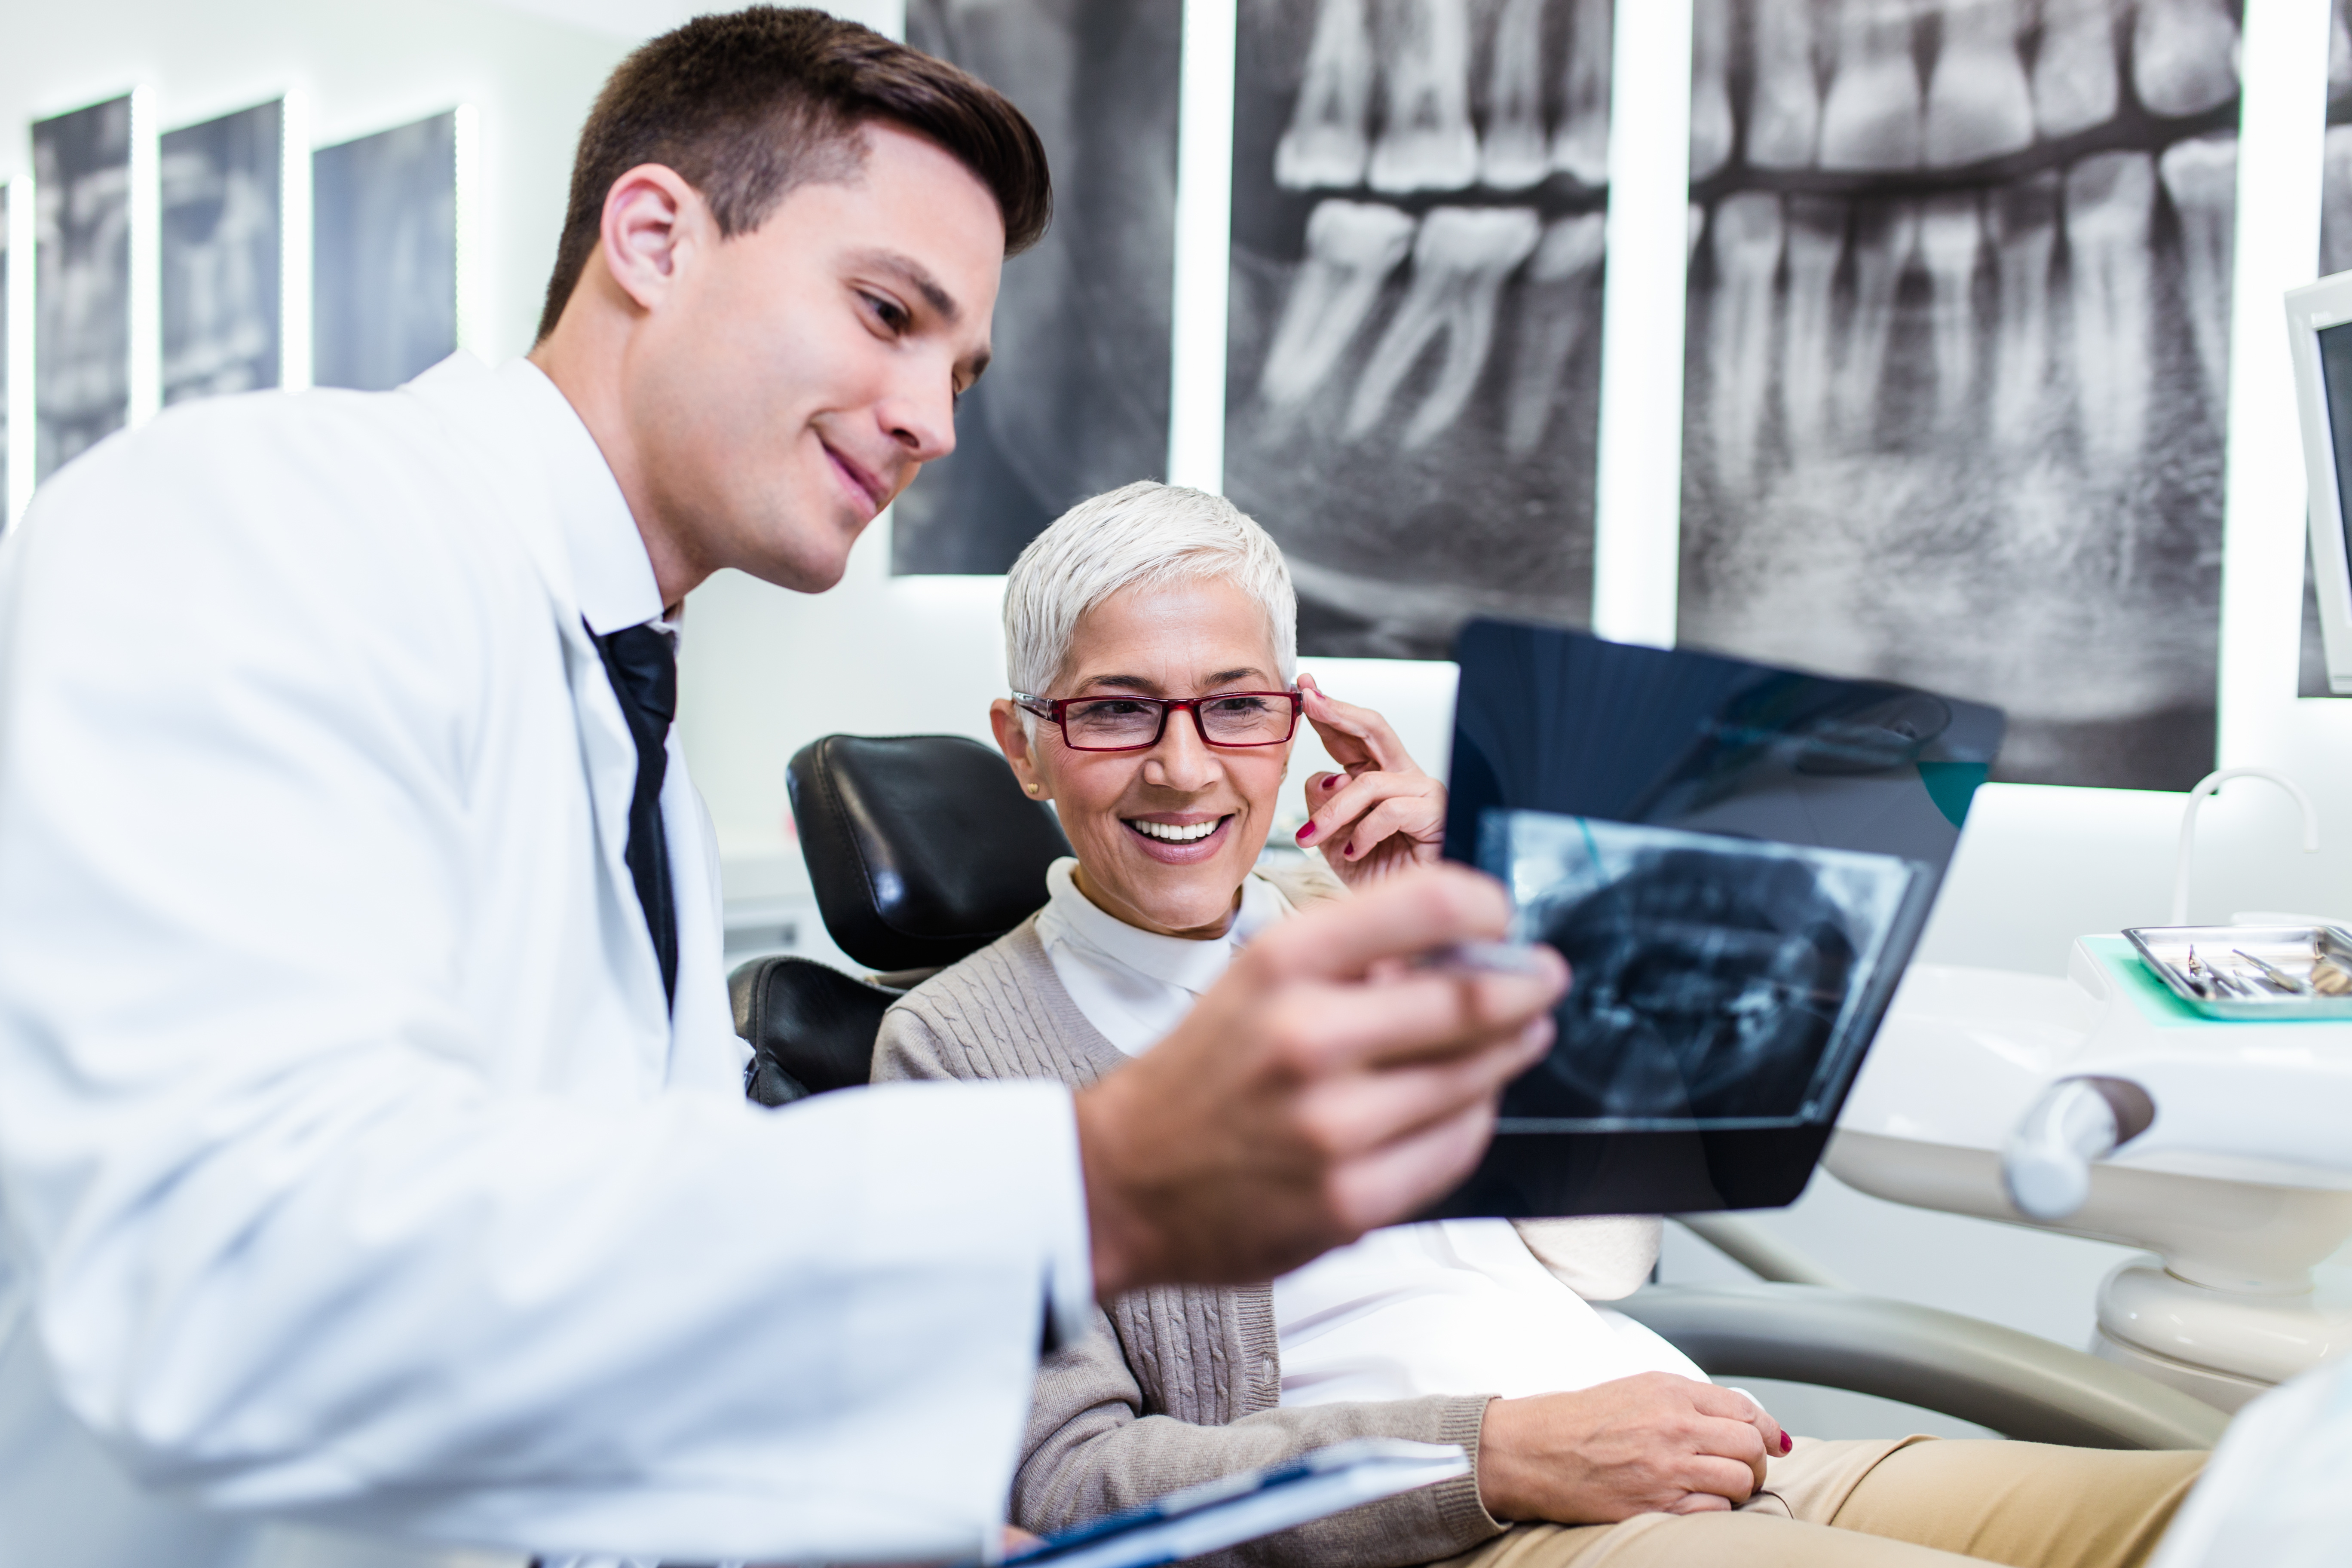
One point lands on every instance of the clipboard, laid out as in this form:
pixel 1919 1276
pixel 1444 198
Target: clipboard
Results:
pixel 1231 1509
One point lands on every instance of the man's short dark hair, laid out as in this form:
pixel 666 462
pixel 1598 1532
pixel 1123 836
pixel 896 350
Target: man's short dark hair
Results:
pixel 749 106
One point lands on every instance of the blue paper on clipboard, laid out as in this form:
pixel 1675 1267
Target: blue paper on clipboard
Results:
pixel 1213 1515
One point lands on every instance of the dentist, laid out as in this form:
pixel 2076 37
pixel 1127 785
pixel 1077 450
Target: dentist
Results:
pixel 372 1148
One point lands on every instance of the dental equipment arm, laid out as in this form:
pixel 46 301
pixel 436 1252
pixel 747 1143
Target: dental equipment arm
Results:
pixel 2046 1163
pixel 2179 1105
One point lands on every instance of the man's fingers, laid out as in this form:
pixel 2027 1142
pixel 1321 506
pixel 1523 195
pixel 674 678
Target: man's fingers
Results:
pixel 1420 1015
pixel 1347 1115
pixel 1399 1178
pixel 1407 914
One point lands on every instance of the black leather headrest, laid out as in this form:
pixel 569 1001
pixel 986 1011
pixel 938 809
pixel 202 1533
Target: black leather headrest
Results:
pixel 922 848
pixel 810 1026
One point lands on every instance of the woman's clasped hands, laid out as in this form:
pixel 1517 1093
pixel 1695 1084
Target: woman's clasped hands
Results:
pixel 1651 1444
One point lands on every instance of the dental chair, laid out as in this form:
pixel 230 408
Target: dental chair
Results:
pixel 922 849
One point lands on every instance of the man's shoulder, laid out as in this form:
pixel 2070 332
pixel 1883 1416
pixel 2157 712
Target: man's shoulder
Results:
pixel 258 445
pixel 351 531
pixel 286 490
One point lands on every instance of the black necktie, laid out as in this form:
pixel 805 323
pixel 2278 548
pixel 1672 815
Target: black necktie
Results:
pixel 643 666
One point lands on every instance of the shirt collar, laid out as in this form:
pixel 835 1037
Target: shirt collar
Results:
pixel 611 575
pixel 1181 962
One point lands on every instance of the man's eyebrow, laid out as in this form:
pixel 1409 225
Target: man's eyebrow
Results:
pixel 916 276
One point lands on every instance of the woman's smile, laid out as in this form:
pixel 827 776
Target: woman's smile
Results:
pixel 1180 838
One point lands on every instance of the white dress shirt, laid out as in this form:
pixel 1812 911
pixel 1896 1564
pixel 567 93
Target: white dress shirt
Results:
pixel 1454 1306
pixel 356 1178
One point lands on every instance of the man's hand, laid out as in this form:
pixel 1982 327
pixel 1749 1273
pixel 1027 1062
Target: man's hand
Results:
pixel 1324 1087
pixel 1381 813
pixel 1651 1444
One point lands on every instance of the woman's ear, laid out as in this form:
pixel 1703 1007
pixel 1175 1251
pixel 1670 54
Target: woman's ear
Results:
pixel 1013 740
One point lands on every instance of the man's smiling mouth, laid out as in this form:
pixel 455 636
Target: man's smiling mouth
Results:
pixel 865 484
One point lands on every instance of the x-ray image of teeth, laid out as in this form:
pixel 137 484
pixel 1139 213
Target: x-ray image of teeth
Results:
pixel 2336 210
pixel 1419 195
pixel 81 281
pixel 220 253
pixel 385 226
pixel 1714 975
pixel 1075 401
pixel 1957 357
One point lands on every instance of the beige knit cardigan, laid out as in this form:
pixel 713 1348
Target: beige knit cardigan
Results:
pixel 1180 1383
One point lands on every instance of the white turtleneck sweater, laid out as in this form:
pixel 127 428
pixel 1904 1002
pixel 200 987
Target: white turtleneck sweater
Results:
pixel 1454 1306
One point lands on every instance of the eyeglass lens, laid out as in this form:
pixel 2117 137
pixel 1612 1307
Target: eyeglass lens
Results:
pixel 1113 723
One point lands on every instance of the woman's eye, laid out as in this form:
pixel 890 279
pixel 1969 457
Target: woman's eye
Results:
pixel 1238 706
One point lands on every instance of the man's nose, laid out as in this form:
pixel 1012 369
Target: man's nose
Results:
pixel 918 413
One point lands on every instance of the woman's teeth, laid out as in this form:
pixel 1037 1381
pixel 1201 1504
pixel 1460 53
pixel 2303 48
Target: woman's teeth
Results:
pixel 1189 833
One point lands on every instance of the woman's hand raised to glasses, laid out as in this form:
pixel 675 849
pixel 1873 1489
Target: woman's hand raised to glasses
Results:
pixel 1380 813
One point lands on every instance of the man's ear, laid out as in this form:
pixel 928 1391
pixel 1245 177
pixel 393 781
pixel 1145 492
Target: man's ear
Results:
pixel 652 222
pixel 1013 740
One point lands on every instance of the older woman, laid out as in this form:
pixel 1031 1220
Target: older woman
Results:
pixel 1150 634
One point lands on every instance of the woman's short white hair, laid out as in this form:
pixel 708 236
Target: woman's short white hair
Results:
pixel 1145 533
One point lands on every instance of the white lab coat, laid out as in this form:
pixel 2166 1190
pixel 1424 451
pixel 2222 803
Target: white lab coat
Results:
pixel 352 1172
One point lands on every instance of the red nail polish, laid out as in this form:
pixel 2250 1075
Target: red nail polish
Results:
pixel 1787 1442
pixel 1307 833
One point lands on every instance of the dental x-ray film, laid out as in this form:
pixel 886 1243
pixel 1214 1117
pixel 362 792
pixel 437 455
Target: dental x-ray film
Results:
pixel 1075 401
pixel 1957 358
pixel 1412 395
pixel 1718 979
pixel 1737 861
pixel 81 281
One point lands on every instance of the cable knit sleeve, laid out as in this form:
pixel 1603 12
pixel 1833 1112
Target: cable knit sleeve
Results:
pixel 1092 1449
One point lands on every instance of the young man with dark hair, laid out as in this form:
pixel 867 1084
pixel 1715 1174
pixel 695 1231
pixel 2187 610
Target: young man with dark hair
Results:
pixel 373 1145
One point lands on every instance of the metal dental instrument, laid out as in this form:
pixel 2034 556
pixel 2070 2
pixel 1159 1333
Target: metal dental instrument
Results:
pixel 1486 958
pixel 2199 978
pixel 2275 975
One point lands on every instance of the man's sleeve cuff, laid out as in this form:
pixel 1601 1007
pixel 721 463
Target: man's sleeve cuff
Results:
pixel 1069 1257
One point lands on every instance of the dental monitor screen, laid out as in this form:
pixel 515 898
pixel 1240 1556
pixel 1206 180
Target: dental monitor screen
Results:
pixel 1736 861
pixel 2319 331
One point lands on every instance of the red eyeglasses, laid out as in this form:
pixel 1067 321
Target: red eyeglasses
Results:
pixel 1136 723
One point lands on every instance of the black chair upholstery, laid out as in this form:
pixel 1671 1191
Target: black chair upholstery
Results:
pixel 922 848
pixel 810 1026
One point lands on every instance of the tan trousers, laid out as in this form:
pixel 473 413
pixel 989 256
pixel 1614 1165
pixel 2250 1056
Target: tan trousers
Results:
pixel 1911 1502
